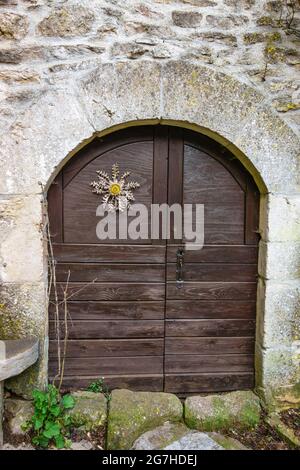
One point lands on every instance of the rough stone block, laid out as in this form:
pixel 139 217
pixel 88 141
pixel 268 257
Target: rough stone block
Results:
pixel 217 412
pixel 280 217
pixel 160 437
pixel 278 375
pixel 226 22
pixel 264 133
pixel 23 313
pixel 90 410
pixel 133 413
pixel 186 19
pixel 119 93
pixel 202 97
pixel 286 433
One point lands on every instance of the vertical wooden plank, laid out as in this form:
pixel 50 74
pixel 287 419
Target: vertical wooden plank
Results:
pixel 160 170
pixel 252 214
pixel 175 182
pixel 55 209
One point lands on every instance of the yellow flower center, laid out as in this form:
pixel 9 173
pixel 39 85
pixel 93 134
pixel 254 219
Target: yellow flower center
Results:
pixel 115 189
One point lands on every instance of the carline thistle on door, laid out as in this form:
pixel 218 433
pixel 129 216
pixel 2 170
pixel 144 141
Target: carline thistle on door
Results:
pixel 117 193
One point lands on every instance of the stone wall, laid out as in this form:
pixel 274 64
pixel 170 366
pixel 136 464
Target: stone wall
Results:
pixel 42 41
pixel 71 69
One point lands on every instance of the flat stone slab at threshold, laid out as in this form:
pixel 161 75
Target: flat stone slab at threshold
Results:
pixel 16 356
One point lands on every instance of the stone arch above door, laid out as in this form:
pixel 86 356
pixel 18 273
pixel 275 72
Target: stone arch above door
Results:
pixel 65 117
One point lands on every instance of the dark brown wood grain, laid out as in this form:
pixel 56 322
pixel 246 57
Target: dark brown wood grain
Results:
pixel 213 345
pixel 111 365
pixel 111 347
pixel 216 309
pixel 152 383
pixel 215 272
pixel 108 272
pixel 239 254
pixel 89 253
pixel 127 319
pixel 112 291
pixel 218 382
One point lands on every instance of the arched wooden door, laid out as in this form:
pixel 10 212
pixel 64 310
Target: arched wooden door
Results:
pixel 128 320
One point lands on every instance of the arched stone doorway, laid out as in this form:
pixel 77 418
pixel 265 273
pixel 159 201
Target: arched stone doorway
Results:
pixel 66 117
pixel 130 318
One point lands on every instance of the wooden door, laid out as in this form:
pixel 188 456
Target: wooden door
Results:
pixel 128 320
pixel 210 320
pixel 116 288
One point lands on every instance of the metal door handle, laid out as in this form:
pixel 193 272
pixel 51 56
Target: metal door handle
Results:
pixel 179 268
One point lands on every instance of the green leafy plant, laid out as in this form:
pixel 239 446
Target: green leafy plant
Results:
pixel 99 386
pixel 50 424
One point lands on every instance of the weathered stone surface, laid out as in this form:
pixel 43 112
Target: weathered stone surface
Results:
pixel 279 319
pixel 176 436
pixel 21 247
pixel 274 5
pixel 82 445
pixel 276 135
pixel 218 37
pixel 131 50
pixel 275 368
pixel 90 410
pixel 17 413
pixel 133 413
pixel 1 412
pixel 119 93
pixel 202 96
pixel 280 220
pixel 200 3
pixel 226 22
pixel 161 52
pixel 13 26
pixel 160 437
pixel 67 22
pixel 279 260
pixel 254 38
pixel 22 446
pixel 19 76
pixel 22 314
pixel 194 441
pixel 217 412
pixel 16 356
pixel 286 433
pixel 186 19
pixel 240 3
pixel 228 443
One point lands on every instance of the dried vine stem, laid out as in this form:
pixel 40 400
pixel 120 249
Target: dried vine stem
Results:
pixel 62 346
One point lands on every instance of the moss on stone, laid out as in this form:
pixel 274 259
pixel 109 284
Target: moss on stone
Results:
pixel 220 412
pixel 286 433
pixel 133 413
